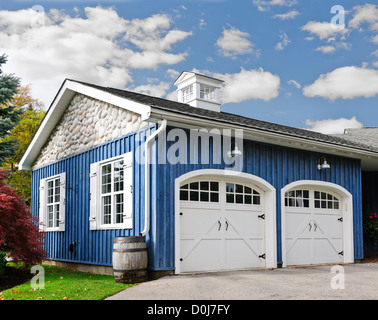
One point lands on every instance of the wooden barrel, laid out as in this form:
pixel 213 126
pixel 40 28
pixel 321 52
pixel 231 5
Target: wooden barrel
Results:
pixel 130 259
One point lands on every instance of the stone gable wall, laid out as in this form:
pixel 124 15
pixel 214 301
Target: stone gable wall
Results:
pixel 87 123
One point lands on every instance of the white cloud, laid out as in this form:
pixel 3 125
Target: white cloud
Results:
pixel 375 39
pixel 94 48
pixel 264 5
pixel 172 96
pixel 156 90
pixel 367 13
pixel 346 82
pixel 283 43
pixel 286 16
pixel 202 23
pixel 248 84
pixel 294 83
pixel 234 42
pixel 324 30
pixel 333 126
pixel 173 74
pixel 326 49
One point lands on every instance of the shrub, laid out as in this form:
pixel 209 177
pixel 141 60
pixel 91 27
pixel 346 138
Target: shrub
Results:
pixel 19 232
pixel 371 226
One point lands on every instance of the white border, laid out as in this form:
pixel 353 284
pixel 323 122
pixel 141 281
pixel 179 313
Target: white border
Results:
pixel 347 211
pixel 270 210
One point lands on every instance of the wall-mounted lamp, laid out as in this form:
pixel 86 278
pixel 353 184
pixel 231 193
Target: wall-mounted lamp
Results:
pixel 323 165
pixel 234 152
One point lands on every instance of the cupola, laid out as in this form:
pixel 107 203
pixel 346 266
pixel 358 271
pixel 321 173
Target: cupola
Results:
pixel 199 91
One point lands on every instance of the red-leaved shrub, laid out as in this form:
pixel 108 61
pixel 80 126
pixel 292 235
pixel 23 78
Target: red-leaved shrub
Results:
pixel 19 232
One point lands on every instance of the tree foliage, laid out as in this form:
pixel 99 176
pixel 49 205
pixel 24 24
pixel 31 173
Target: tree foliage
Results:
pixel 19 231
pixel 21 135
pixel 9 115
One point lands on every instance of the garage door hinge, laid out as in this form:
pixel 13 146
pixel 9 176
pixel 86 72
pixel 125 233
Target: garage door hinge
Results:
pixel 261 216
pixel 262 256
pixel 340 219
pixel 341 253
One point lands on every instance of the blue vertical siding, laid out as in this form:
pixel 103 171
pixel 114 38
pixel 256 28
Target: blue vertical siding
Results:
pixel 92 247
pixel 277 165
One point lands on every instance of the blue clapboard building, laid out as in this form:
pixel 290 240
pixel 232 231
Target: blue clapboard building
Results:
pixel 208 190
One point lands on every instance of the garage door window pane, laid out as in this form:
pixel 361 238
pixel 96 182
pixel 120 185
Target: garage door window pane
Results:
pixel 325 200
pixel 205 196
pixel 230 187
pixel 240 194
pixel 297 199
pixel 204 185
pixel 214 186
pixel 194 186
pixel 184 195
pixel 230 198
pixel 203 191
pixel 214 197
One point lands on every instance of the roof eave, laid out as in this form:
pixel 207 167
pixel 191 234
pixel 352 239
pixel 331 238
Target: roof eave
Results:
pixel 59 105
pixel 368 157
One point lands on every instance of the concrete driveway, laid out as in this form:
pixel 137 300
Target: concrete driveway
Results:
pixel 352 281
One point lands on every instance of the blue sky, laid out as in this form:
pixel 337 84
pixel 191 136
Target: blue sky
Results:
pixel 283 61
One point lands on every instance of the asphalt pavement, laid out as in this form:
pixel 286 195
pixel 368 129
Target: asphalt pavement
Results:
pixel 357 281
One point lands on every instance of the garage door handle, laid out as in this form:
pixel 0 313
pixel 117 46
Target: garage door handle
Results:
pixel 316 226
pixel 226 225
pixel 310 226
pixel 219 225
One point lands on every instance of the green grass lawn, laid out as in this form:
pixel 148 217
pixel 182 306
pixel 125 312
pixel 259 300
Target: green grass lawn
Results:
pixel 62 284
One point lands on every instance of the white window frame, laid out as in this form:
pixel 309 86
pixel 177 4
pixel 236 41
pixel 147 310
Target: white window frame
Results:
pixel 58 222
pixel 97 221
pixel 188 93
pixel 207 92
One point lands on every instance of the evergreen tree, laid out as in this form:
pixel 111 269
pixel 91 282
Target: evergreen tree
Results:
pixel 9 116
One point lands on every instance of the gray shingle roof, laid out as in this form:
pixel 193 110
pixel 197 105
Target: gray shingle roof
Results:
pixel 229 118
pixel 366 136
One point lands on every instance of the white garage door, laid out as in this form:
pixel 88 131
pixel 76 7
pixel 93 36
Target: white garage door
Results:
pixel 221 225
pixel 314 227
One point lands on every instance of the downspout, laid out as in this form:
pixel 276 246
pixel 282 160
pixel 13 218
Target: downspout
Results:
pixel 147 190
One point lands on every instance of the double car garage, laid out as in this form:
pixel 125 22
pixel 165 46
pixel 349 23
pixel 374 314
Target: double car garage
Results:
pixel 227 220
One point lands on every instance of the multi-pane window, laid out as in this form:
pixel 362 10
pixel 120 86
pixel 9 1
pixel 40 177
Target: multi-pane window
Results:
pixel 323 200
pixel 112 192
pixel 203 191
pixel 53 203
pixel 319 200
pixel 237 193
pixel 207 93
pixel 297 199
pixel 187 94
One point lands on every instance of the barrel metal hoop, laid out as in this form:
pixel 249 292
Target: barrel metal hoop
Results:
pixel 130 250
pixel 129 239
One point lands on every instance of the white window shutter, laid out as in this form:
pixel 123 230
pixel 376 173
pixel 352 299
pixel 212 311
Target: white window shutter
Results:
pixel 94 195
pixel 128 184
pixel 42 205
pixel 62 211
